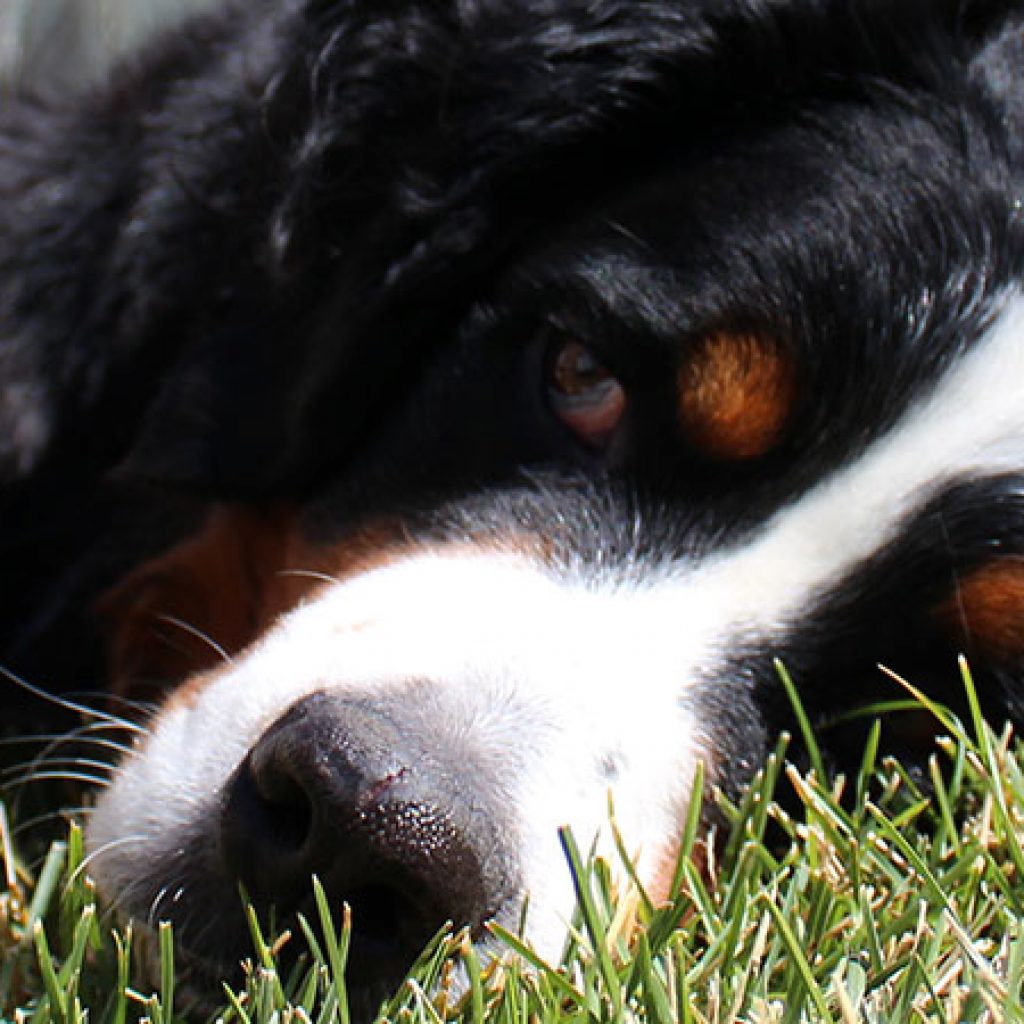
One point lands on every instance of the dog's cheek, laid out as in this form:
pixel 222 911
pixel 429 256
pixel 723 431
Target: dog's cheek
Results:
pixel 192 608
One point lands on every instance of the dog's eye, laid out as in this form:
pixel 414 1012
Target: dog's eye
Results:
pixel 583 394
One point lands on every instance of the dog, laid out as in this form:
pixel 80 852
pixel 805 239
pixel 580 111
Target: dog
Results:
pixel 539 376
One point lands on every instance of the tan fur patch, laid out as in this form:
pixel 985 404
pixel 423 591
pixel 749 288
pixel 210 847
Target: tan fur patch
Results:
pixel 183 615
pixel 191 608
pixel 736 393
pixel 212 595
pixel 989 607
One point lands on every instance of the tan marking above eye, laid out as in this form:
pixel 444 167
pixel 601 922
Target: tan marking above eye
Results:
pixel 989 607
pixel 736 393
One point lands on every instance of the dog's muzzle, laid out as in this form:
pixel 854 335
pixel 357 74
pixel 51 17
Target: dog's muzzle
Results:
pixel 415 737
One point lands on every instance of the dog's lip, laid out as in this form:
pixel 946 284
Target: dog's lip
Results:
pixel 199 980
pixel 201 975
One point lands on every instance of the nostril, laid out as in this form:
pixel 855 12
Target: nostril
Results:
pixel 276 807
pixel 291 811
pixel 266 830
pixel 304 801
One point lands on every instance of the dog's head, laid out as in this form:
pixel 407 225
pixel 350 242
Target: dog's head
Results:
pixel 675 338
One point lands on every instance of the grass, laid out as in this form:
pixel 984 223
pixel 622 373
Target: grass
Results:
pixel 873 901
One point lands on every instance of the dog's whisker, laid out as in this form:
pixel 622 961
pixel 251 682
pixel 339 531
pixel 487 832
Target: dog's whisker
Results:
pixel 56 740
pixel 309 574
pixel 131 894
pixel 144 708
pixel 31 739
pixel 154 907
pixel 27 771
pixel 101 782
pixel 92 734
pixel 631 236
pixel 136 712
pixel 77 707
pixel 45 759
pixel 187 627
pixel 134 839
pixel 36 768
pixel 89 729
pixel 97 743
pixel 170 895
pixel 63 814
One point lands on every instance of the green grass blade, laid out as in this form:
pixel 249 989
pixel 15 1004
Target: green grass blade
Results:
pixel 803 722
pixel 800 963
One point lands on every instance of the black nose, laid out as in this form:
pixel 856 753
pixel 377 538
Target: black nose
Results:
pixel 364 794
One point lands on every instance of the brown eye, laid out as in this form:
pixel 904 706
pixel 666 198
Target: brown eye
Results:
pixel 583 393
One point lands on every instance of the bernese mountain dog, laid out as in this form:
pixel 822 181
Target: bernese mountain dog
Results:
pixel 449 412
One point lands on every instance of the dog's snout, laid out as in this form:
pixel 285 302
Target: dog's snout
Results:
pixel 345 789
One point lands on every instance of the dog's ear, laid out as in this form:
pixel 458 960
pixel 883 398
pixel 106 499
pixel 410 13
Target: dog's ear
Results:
pixel 197 605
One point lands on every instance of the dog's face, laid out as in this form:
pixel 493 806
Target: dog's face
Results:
pixel 757 393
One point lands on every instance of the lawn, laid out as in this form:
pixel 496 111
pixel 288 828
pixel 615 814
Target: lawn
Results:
pixel 876 898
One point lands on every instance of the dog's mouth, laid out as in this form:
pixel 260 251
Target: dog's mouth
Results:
pixel 391 926
pixel 381 914
pixel 388 927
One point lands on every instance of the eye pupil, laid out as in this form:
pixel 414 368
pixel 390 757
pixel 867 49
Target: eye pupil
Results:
pixel 576 371
pixel 584 394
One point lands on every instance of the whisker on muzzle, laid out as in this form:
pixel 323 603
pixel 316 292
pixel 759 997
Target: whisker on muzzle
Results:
pixel 309 574
pixel 63 814
pixel 200 635
pixel 85 778
pixel 76 707
pixel 54 741
pixel 135 839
